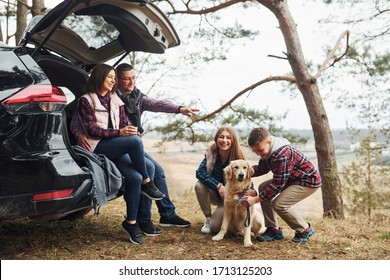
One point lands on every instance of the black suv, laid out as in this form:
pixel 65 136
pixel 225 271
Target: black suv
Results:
pixel 40 81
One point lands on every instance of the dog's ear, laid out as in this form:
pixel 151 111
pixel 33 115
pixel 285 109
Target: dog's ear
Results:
pixel 250 170
pixel 228 172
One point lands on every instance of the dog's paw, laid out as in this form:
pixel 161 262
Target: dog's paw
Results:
pixel 217 237
pixel 247 241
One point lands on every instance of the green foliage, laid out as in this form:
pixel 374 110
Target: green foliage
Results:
pixel 8 8
pixel 382 64
pixel 367 93
pixel 386 235
pixel 178 129
pixel 359 197
pixel 238 117
pixel 365 181
pixel 374 64
pixel 364 88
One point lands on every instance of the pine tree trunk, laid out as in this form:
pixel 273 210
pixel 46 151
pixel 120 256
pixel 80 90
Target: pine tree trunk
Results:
pixel 331 185
pixel 21 19
pixel 38 7
pixel 1 34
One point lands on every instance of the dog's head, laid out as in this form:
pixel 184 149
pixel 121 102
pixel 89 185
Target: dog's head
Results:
pixel 238 170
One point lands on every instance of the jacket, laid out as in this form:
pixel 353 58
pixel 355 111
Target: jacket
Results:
pixel 289 167
pixel 102 115
pixel 210 171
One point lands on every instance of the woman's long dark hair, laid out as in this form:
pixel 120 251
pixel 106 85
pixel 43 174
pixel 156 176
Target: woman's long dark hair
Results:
pixel 97 77
pixel 96 80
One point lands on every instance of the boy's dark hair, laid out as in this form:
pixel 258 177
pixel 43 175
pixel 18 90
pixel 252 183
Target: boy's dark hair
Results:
pixel 257 135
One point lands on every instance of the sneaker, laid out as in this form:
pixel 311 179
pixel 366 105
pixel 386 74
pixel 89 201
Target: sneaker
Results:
pixel 151 191
pixel 174 221
pixel 270 234
pixel 133 231
pixel 303 237
pixel 149 229
pixel 206 227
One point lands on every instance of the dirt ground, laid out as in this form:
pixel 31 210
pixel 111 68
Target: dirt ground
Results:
pixel 101 237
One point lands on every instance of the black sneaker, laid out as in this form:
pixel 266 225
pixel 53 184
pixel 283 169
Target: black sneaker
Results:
pixel 174 221
pixel 270 234
pixel 303 237
pixel 149 229
pixel 133 231
pixel 151 191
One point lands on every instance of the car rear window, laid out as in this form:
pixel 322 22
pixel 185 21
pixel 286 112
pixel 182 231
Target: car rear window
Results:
pixel 94 30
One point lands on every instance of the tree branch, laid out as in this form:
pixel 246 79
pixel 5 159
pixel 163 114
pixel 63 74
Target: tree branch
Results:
pixel 278 57
pixel 206 10
pixel 251 87
pixel 332 54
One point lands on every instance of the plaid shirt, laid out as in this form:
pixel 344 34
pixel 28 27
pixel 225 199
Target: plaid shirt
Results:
pixel 146 103
pixel 215 177
pixel 88 120
pixel 154 105
pixel 289 167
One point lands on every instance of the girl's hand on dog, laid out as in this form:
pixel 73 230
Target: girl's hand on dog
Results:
pixel 221 190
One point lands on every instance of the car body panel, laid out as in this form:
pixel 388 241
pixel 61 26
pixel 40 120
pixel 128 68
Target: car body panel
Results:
pixel 17 206
pixel 40 174
pixel 135 25
pixel 33 155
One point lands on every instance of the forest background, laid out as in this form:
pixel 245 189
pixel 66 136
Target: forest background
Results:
pixel 215 62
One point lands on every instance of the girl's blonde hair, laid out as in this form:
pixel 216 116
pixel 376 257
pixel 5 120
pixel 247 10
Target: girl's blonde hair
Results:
pixel 235 150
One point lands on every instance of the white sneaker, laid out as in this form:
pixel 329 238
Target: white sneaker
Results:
pixel 206 226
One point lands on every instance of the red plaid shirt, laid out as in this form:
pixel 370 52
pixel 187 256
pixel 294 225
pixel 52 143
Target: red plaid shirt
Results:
pixel 289 167
pixel 89 120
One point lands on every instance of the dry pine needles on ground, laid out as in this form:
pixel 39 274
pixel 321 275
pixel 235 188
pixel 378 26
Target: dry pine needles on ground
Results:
pixel 100 237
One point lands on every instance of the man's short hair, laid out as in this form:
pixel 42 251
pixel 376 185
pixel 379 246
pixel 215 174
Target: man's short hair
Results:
pixel 257 135
pixel 123 67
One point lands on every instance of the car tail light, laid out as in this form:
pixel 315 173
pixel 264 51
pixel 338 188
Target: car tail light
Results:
pixel 52 195
pixel 36 99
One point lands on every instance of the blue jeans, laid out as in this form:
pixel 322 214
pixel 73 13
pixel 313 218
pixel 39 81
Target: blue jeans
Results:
pixel 128 155
pixel 165 206
pixel 133 180
pixel 114 148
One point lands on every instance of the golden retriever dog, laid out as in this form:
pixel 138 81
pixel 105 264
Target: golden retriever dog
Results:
pixel 235 217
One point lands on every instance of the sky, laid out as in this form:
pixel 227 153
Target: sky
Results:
pixel 218 81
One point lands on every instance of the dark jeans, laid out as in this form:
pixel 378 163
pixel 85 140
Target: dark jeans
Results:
pixel 165 206
pixel 128 155
pixel 115 148
pixel 135 202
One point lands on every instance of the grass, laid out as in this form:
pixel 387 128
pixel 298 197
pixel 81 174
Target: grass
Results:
pixel 101 238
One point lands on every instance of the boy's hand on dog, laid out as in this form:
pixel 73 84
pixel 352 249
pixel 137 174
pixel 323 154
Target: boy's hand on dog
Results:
pixel 250 192
pixel 248 201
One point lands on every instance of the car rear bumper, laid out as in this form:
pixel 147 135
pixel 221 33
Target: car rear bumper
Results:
pixel 24 205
